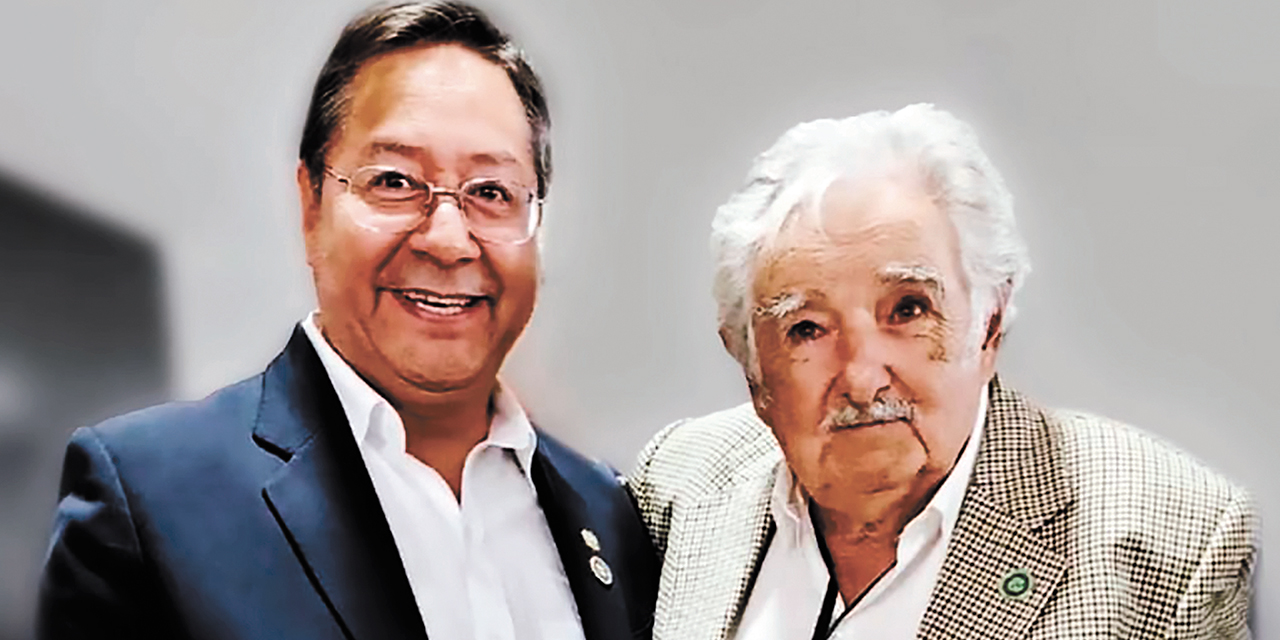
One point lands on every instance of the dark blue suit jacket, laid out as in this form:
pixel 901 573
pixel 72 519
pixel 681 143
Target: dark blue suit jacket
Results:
pixel 250 515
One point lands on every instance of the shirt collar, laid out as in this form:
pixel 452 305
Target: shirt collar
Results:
pixel 376 424
pixel 510 428
pixel 790 505
pixel 359 400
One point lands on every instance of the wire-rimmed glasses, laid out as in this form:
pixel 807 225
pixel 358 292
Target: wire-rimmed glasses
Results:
pixel 495 209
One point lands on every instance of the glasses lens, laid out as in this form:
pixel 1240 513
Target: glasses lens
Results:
pixel 499 210
pixel 394 197
pixel 387 186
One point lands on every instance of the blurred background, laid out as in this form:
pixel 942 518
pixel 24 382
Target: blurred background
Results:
pixel 149 242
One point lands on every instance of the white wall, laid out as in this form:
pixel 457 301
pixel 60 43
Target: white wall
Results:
pixel 1140 139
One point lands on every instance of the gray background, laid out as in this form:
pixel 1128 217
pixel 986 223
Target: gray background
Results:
pixel 1140 139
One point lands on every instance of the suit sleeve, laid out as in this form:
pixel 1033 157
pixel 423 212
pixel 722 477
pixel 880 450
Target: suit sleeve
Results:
pixel 1216 604
pixel 94 568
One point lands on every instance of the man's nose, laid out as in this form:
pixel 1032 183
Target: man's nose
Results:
pixel 444 236
pixel 864 363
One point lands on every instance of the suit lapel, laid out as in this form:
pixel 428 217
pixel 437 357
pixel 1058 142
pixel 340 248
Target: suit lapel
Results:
pixel 988 547
pixel 325 503
pixel 601 607
pixel 1016 488
pixel 720 554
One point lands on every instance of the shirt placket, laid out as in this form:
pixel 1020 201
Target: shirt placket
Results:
pixel 491 612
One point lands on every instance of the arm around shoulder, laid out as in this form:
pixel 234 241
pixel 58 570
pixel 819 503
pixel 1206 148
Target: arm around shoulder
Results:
pixel 93 584
pixel 1216 603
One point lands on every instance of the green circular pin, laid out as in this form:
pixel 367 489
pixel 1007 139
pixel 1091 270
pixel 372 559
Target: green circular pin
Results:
pixel 1016 584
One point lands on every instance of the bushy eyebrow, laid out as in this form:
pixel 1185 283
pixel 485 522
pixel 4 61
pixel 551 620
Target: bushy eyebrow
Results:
pixel 921 274
pixel 782 305
pixel 395 147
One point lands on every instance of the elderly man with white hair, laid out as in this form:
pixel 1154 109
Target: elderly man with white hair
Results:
pixel 884 482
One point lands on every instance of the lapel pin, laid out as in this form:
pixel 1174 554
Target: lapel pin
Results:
pixel 1016 585
pixel 602 571
pixel 589 538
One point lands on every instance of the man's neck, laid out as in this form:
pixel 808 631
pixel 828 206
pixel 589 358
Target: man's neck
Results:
pixel 441 435
pixel 862 535
pixel 440 427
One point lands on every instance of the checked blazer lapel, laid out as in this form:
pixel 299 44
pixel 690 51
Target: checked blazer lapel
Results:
pixel 1016 489
pixel 720 556
pixel 325 503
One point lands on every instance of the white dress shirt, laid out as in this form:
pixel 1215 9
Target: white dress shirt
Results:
pixel 787 597
pixel 483 567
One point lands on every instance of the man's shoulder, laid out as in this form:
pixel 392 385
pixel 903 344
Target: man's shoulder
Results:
pixel 711 452
pixel 578 469
pixel 182 430
pixel 1132 514
pixel 1106 455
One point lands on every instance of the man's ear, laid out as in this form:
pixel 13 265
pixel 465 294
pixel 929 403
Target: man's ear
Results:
pixel 308 199
pixel 309 203
pixel 995 323
pixel 724 338
pixel 995 331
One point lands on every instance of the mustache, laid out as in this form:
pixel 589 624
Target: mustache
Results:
pixel 879 410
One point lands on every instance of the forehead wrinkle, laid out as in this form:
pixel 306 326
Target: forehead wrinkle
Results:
pixel 489 159
pixel 486 157
pixel 922 274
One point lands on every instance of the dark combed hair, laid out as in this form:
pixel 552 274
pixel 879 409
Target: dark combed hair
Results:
pixel 384 29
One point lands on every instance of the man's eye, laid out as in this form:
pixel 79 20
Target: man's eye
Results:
pixel 491 193
pixel 804 331
pixel 391 181
pixel 909 308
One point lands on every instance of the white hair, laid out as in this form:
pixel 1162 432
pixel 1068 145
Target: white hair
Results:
pixel 796 171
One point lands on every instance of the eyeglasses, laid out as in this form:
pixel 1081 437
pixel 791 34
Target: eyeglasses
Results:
pixel 496 209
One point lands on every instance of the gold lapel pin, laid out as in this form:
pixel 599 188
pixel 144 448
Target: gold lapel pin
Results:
pixel 589 538
pixel 1016 585
pixel 602 571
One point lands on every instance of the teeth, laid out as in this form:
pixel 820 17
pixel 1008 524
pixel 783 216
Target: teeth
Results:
pixel 450 302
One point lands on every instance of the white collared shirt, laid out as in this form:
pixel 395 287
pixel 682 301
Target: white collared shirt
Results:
pixel 787 597
pixel 482 568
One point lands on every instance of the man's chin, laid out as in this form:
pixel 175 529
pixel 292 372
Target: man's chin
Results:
pixel 442 366
pixel 879 477
pixel 871 459
pixel 440 372
pixel 450 380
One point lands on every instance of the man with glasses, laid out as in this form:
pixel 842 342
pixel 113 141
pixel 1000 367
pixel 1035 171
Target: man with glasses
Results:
pixel 377 480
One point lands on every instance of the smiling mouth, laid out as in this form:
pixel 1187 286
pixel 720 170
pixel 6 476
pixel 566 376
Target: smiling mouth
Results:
pixel 440 304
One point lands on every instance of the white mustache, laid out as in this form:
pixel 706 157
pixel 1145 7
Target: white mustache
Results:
pixel 880 410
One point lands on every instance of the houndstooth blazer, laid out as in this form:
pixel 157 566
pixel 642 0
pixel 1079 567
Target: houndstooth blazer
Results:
pixel 1123 536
